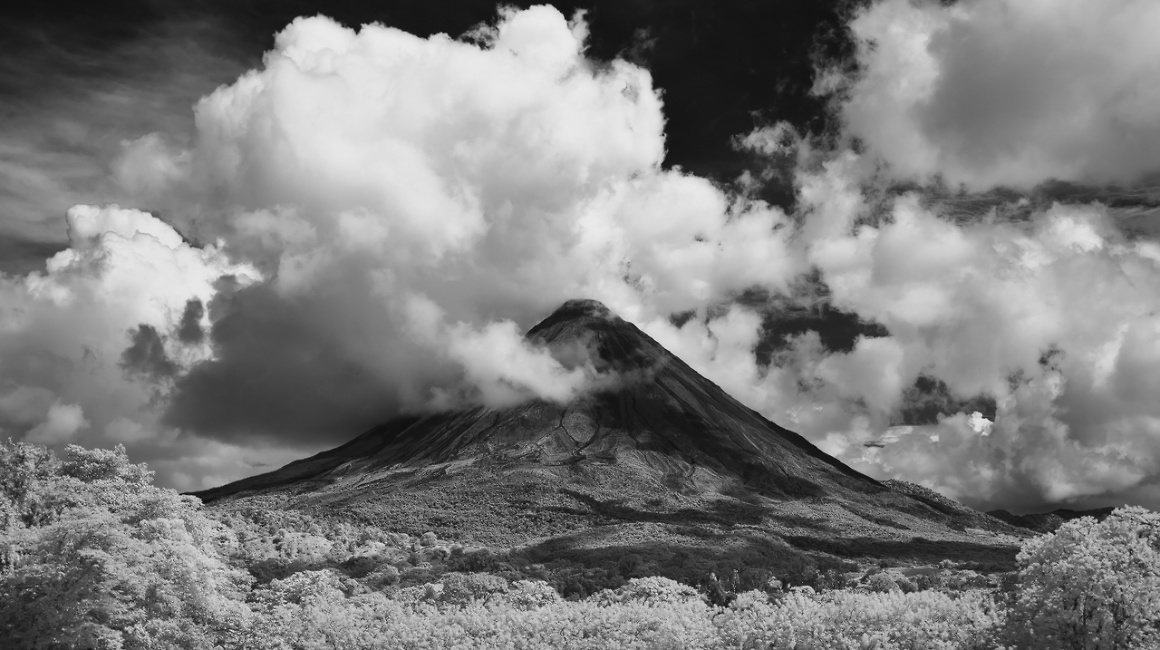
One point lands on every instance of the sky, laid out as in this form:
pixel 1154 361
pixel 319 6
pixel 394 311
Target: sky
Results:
pixel 922 234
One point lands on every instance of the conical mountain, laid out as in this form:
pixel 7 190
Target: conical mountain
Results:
pixel 658 452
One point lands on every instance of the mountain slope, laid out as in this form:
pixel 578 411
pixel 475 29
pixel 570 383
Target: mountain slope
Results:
pixel 1048 522
pixel 660 453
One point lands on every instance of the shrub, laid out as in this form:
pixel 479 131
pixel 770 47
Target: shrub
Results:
pixel 481 560
pixel 773 585
pixel 927 581
pixel 437 553
pixel 653 590
pixel 581 582
pixel 360 566
pixel 882 582
pixel 714 592
pixel 461 588
pixel 830 580
pixel 905 583
pixel 750 599
pixel 383 576
pixel 630 565
pixel 531 594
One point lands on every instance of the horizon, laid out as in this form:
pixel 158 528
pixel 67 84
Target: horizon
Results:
pixel 232 238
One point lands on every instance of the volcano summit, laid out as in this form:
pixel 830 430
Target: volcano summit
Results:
pixel 658 456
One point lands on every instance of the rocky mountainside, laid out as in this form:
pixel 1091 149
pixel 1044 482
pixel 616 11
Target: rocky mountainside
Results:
pixel 660 457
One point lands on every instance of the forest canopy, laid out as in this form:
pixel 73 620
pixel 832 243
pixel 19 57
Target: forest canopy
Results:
pixel 93 555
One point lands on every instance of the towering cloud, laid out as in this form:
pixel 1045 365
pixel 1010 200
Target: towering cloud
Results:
pixel 86 346
pixel 411 205
pixel 407 195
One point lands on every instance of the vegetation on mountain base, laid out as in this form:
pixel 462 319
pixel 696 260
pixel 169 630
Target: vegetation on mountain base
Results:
pixel 92 555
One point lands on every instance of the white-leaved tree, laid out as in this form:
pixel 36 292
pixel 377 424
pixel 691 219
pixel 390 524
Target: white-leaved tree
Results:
pixel 92 555
pixel 1092 585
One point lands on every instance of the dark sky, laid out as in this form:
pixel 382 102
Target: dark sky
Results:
pixel 725 67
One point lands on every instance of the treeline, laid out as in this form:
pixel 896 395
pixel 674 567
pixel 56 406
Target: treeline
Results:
pixel 93 555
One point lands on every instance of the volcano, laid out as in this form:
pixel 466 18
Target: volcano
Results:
pixel 658 455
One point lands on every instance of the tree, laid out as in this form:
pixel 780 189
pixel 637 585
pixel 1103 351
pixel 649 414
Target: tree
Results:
pixel 882 582
pixel 1091 584
pixel 100 558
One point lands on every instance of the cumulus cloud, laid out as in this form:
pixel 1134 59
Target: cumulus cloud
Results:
pixel 1052 316
pixel 417 203
pixel 83 342
pixel 60 424
pixel 1007 92
pixel 388 214
pixel 1046 308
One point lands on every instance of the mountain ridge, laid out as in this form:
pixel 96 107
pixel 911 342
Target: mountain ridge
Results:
pixel 660 449
pixel 1048 522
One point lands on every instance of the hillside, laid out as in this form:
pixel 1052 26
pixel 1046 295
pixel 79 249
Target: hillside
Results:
pixel 662 463
pixel 1048 522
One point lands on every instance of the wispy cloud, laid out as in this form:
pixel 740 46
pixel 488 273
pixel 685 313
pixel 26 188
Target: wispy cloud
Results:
pixel 70 103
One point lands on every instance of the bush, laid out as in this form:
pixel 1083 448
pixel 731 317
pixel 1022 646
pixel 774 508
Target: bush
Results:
pixel 360 566
pixel 714 592
pixel 653 590
pixel 574 582
pixel 531 594
pixel 481 560
pixel 830 580
pixel 750 599
pixel 882 582
pixel 630 565
pixel 383 576
pixel 461 588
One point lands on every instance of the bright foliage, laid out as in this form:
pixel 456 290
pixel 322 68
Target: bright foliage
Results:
pixel 96 557
pixel 1092 585
pixel 92 555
